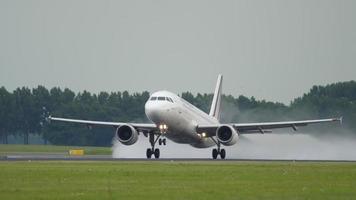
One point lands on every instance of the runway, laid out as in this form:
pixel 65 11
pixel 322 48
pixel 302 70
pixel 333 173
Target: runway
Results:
pixel 65 157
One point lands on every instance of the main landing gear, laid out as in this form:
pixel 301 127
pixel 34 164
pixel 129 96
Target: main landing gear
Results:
pixel 152 151
pixel 218 151
pixel 162 141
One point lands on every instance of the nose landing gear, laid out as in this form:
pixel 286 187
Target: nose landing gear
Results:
pixel 162 141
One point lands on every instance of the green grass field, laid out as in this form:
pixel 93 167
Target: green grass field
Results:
pixel 177 180
pixel 12 149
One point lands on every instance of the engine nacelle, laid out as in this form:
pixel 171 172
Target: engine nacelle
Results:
pixel 127 134
pixel 227 135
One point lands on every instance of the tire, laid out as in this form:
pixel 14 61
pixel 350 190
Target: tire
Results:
pixel 156 153
pixel 215 153
pixel 148 153
pixel 164 141
pixel 222 153
pixel 160 142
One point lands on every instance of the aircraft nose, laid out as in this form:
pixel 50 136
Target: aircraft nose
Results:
pixel 157 111
pixel 152 110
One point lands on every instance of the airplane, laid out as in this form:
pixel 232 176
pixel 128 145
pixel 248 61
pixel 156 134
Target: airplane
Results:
pixel 174 118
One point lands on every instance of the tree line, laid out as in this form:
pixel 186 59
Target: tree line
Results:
pixel 24 111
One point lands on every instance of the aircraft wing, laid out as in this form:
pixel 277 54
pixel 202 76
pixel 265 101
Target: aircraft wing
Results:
pixel 138 126
pixel 264 127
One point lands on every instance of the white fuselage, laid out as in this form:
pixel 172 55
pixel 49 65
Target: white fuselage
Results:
pixel 180 117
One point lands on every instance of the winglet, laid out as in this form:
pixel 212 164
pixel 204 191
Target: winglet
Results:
pixel 49 119
pixel 215 105
pixel 340 119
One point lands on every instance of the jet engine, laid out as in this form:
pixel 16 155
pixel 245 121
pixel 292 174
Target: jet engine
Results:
pixel 227 135
pixel 127 134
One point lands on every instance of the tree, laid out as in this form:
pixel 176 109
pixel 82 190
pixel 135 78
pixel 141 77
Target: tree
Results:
pixel 27 120
pixel 42 102
pixel 6 114
pixel 21 111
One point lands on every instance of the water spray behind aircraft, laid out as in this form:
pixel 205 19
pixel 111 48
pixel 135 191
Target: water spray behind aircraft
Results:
pixel 289 146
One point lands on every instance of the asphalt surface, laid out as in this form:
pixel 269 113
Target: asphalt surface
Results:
pixel 65 157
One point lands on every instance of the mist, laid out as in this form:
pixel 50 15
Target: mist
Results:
pixel 288 146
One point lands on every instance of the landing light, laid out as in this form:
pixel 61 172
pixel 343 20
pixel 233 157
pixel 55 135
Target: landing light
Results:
pixel 163 128
pixel 203 134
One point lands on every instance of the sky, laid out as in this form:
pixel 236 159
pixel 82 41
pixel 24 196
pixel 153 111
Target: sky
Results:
pixel 274 50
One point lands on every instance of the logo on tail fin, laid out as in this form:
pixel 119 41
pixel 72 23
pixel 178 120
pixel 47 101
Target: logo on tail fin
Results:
pixel 215 105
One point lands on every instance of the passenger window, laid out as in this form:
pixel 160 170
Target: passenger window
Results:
pixel 161 98
pixel 153 98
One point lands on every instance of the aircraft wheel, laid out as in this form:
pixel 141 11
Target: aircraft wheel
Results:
pixel 160 141
pixel 222 153
pixel 215 153
pixel 148 153
pixel 164 141
pixel 156 153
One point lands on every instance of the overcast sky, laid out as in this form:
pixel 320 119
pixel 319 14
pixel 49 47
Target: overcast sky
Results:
pixel 274 50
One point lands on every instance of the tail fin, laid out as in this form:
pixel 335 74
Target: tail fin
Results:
pixel 215 105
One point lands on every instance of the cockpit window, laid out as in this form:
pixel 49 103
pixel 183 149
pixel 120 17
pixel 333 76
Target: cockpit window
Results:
pixel 161 98
pixel 169 99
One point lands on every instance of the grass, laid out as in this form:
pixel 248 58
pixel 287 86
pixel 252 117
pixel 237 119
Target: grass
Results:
pixel 177 180
pixel 11 149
